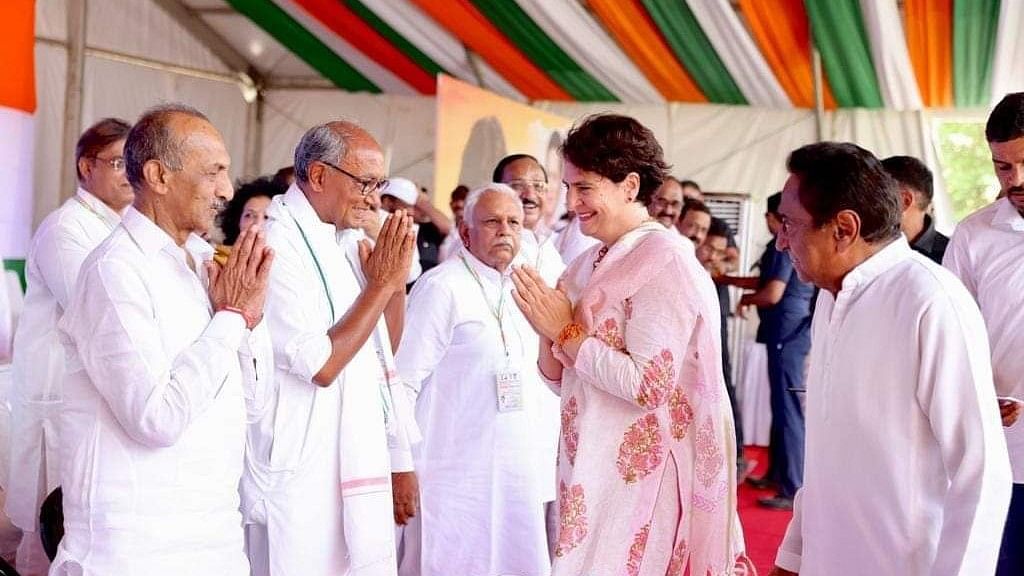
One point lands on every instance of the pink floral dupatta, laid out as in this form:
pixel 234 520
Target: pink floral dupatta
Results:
pixel 646 388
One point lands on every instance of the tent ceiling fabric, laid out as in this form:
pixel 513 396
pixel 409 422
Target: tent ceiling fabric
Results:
pixel 875 53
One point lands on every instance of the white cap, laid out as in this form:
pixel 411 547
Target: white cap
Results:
pixel 403 189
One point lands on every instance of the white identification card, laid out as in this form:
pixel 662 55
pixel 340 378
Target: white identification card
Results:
pixel 509 384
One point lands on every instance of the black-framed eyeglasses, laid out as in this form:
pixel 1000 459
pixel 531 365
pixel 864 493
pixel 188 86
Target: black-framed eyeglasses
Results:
pixel 368 184
pixel 117 163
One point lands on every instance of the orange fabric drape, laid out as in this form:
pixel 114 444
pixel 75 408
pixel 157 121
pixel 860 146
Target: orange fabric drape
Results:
pixel 345 23
pixel 18 88
pixel 782 31
pixel 929 25
pixel 466 23
pixel 631 26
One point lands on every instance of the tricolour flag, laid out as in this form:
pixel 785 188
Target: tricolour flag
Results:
pixel 17 111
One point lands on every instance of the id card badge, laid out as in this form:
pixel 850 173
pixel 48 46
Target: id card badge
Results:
pixel 509 383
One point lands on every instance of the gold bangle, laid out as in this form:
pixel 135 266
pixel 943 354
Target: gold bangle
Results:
pixel 571 331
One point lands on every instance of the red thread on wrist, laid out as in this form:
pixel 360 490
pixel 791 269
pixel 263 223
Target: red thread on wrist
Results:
pixel 250 322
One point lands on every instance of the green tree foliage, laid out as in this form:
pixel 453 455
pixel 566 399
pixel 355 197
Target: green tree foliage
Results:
pixel 966 166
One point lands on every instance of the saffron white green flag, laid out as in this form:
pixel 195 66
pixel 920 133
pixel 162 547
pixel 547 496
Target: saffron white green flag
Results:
pixel 17 111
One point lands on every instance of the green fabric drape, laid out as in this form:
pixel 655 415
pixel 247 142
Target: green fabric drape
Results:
pixel 299 41
pixel 838 30
pixel 399 41
pixel 510 19
pixel 974 44
pixel 694 51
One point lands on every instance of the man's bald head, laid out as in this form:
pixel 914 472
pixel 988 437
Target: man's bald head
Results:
pixel 330 143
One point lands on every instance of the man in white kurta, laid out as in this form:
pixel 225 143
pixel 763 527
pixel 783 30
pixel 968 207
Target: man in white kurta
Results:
pixel 158 368
pixel 905 470
pixel 59 247
pixel 317 492
pixel 485 464
pixel 987 254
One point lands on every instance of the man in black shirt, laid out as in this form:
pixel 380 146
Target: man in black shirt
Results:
pixel 916 192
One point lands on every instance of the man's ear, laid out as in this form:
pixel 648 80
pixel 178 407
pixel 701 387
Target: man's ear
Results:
pixel 906 198
pixel 847 229
pixel 84 168
pixel 464 233
pixel 155 175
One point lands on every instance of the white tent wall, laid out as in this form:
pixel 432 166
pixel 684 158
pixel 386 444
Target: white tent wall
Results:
pixel 120 89
pixel 404 126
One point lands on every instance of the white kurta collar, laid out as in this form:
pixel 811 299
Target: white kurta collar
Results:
pixel 897 251
pixel 486 272
pixel 152 239
pixel 1007 217
pixel 95 205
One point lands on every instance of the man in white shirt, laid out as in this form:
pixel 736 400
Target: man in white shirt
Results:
pixel 987 252
pixel 317 493
pixel 59 247
pixel 524 174
pixel 160 364
pixel 905 469
pixel 486 464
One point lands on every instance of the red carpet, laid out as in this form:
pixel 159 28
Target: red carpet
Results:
pixel 763 529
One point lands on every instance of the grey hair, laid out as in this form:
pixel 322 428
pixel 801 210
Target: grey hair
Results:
pixel 477 193
pixel 321 143
pixel 151 139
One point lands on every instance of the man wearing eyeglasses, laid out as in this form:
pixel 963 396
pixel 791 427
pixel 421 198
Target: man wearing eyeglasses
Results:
pixel 59 247
pixel 524 174
pixel 328 464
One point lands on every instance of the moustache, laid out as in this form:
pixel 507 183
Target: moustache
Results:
pixel 1015 190
pixel 530 204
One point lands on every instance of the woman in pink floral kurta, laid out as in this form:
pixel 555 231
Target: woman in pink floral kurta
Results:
pixel 646 479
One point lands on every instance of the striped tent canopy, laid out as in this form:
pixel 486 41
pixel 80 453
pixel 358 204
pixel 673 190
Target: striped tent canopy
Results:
pixel 896 54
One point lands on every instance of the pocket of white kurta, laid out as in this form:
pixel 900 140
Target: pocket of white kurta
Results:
pixel 295 403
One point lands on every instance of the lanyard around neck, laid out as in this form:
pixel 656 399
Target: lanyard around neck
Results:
pixel 93 212
pixel 316 261
pixel 499 311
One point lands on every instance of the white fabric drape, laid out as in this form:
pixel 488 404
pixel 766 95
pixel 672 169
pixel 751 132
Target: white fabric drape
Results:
pixel 437 43
pixel 571 26
pixel 404 126
pixel 739 54
pixel 379 75
pixel 1008 61
pixel 889 53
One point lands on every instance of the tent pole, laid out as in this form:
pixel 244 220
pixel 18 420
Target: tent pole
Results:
pixel 819 95
pixel 253 137
pixel 73 96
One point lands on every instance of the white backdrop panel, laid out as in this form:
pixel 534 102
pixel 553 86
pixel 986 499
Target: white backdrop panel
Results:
pixel 404 126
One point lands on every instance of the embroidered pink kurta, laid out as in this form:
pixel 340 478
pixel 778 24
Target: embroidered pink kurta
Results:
pixel 646 475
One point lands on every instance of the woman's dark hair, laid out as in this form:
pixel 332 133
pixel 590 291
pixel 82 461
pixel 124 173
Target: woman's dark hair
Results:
pixel 232 213
pixel 836 176
pixel 613 146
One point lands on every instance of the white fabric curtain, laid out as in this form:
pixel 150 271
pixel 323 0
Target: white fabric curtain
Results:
pixel 404 126
pixel 119 89
pixel 416 27
pixel 1008 61
pixel 572 27
pixel 891 57
pixel 739 54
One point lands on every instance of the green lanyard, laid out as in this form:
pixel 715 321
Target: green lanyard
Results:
pixel 319 270
pixel 94 212
pixel 498 312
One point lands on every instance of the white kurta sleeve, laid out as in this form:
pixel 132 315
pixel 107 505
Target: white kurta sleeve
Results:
pixel 958 260
pixel 427 333
pixel 300 348
pixel 791 549
pixel 154 398
pixel 955 390
pixel 255 358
